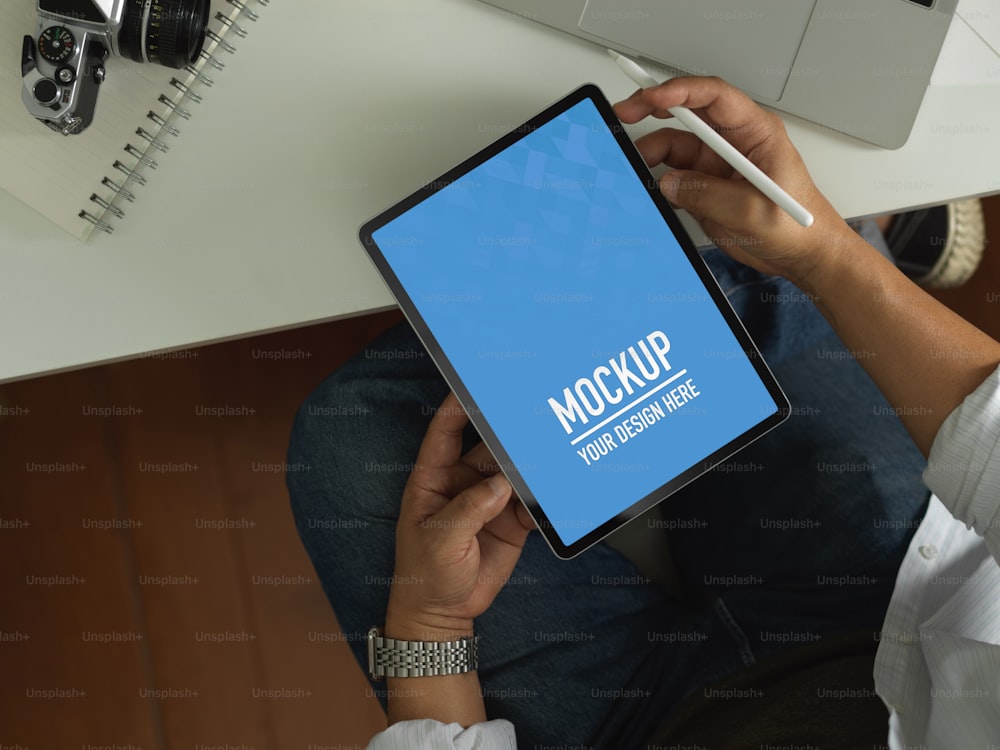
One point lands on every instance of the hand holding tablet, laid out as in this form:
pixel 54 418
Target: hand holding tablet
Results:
pixel 447 590
pixel 572 316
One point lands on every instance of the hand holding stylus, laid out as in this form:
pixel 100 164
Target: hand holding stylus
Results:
pixel 720 145
pixel 738 216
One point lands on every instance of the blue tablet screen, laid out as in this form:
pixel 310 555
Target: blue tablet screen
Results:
pixel 552 283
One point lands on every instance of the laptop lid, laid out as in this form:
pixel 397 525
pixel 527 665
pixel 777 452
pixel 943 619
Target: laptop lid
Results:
pixel 861 66
pixel 751 44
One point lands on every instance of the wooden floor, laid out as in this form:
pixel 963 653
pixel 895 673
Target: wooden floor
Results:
pixel 153 591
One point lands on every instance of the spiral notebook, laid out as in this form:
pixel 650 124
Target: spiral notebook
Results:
pixel 86 182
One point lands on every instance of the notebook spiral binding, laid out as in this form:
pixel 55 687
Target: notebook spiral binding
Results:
pixel 153 137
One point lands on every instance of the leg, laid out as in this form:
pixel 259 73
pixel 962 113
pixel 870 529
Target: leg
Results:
pixel 562 641
pixel 802 533
pixel 585 650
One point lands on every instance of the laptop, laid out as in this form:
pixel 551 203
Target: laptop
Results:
pixel 859 67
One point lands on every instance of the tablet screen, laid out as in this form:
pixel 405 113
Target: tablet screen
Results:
pixel 564 304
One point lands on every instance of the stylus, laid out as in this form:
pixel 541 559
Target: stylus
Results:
pixel 720 145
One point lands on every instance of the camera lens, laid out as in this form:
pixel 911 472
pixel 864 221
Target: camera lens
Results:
pixel 168 32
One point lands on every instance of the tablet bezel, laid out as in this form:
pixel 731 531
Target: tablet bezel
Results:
pixel 451 376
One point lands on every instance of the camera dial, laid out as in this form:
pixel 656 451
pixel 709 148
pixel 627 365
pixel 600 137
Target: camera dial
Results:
pixel 63 65
pixel 56 44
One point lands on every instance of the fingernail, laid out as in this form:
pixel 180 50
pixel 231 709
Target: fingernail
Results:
pixel 669 184
pixel 498 483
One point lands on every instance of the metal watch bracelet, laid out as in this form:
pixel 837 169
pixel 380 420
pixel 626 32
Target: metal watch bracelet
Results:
pixel 391 657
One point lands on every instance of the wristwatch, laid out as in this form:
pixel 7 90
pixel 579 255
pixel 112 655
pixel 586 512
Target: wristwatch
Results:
pixel 390 657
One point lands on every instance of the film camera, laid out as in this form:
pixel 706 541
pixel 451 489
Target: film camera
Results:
pixel 62 66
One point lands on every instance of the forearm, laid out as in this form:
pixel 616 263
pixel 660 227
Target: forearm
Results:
pixel 454 699
pixel 923 357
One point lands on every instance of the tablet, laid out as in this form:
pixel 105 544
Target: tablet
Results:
pixel 565 305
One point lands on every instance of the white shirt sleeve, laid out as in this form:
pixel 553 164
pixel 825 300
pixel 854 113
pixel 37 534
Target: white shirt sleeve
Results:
pixel 960 641
pixel 963 469
pixel 433 735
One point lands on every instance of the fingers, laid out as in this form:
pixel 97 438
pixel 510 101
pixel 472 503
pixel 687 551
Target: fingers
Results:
pixel 481 459
pixel 524 517
pixel 725 105
pixel 509 526
pixel 681 150
pixel 438 473
pixel 442 445
pixel 500 544
pixel 467 513
pixel 477 464
pixel 441 472
pixel 512 521
pixel 730 203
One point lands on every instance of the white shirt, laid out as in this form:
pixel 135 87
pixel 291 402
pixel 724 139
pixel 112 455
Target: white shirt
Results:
pixel 938 663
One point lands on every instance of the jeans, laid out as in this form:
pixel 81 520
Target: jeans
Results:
pixel 797 537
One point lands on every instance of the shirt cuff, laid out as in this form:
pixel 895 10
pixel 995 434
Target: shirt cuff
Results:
pixel 497 734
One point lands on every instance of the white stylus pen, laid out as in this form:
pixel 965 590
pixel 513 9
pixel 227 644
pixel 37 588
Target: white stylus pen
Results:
pixel 720 145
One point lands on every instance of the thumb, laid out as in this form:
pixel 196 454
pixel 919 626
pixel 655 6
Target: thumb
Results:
pixel 525 517
pixel 470 510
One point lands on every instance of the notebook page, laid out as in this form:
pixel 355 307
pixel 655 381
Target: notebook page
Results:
pixel 55 174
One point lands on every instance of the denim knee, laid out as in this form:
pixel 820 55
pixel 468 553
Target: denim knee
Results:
pixel 355 437
pixel 353 444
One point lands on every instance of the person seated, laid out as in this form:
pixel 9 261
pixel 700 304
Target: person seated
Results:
pixel 836 583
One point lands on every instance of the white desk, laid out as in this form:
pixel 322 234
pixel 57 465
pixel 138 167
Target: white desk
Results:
pixel 331 111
